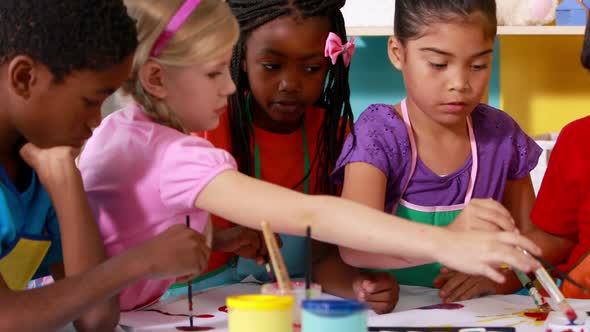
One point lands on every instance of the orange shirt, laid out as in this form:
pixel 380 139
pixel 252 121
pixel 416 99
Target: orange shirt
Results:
pixel 281 160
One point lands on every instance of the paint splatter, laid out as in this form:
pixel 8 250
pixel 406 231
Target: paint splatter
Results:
pixel 443 306
pixel 195 328
pixel 179 315
pixel 223 309
pixel 571 316
pixel 538 316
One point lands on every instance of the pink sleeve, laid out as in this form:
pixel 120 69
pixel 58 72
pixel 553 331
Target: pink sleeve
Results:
pixel 189 165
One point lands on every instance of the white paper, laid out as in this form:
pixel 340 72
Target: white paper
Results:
pixel 498 310
pixel 206 303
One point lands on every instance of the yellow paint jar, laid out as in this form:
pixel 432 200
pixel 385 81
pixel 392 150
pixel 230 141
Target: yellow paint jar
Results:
pixel 260 313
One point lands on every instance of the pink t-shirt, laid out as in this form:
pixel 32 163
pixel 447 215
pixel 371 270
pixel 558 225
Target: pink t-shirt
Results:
pixel 141 178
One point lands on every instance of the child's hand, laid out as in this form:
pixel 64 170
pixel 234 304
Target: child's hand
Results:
pixel 482 253
pixel 456 286
pixel 244 242
pixel 241 241
pixel 379 290
pixel 484 215
pixel 179 251
pixel 52 165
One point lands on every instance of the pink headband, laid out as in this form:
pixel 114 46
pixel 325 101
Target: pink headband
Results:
pixel 175 23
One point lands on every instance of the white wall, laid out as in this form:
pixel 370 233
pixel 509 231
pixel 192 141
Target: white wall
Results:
pixel 362 13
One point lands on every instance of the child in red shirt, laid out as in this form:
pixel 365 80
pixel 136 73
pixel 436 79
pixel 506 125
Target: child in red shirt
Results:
pixel 562 209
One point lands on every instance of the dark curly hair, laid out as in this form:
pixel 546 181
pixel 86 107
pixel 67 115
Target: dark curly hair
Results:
pixel 67 35
pixel 335 99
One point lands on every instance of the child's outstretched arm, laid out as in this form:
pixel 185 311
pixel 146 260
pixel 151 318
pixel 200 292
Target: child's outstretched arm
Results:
pixel 366 184
pixel 248 201
pixel 86 293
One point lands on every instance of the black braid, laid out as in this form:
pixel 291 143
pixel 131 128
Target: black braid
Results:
pixel 335 99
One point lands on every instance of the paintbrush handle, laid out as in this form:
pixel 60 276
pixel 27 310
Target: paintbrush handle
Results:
pixel 564 277
pixel 276 258
pixel 549 285
pixel 552 267
pixel 189 284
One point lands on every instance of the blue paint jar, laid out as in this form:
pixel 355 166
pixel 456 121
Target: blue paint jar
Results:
pixel 334 315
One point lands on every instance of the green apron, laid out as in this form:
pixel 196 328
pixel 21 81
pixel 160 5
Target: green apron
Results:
pixel 293 246
pixel 424 275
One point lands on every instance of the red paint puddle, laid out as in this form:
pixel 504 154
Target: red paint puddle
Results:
pixel 571 316
pixel 204 316
pixel 443 306
pixel 538 316
pixel 223 309
pixel 179 315
pixel 195 328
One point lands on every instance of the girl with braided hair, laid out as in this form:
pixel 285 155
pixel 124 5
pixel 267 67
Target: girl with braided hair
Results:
pixel 287 122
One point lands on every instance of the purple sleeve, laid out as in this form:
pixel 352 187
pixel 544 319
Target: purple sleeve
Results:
pixel 376 142
pixel 525 153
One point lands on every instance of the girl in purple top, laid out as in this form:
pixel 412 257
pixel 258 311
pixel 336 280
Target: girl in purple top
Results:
pixel 439 152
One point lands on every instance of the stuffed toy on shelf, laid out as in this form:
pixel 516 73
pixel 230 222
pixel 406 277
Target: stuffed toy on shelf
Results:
pixel 525 12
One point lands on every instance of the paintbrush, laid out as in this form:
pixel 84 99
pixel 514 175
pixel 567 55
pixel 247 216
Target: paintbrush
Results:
pixel 266 258
pixel 547 282
pixel 276 259
pixel 549 285
pixel 308 262
pixel 190 285
pixel 562 275
pixel 533 291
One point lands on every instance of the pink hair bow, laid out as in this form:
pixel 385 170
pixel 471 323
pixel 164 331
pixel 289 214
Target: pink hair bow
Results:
pixel 334 48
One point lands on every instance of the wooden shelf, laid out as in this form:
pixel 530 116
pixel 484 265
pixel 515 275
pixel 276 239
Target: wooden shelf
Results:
pixel 541 30
pixel 502 30
pixel 370 31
